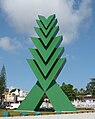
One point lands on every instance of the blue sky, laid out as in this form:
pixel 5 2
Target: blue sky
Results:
pixel 76 20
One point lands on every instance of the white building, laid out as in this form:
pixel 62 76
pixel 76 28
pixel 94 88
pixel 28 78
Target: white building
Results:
pixel 87 102
pixel 14 95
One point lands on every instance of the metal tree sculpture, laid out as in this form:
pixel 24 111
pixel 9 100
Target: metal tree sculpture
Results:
pixel 46 66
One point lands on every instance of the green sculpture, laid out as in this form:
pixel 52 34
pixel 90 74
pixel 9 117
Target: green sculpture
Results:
pixel 46 66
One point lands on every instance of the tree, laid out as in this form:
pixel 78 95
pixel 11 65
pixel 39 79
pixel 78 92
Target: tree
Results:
pixel 69 91
pixel 76 91
pixel 90 88
pixel 2 82
pixel 82 91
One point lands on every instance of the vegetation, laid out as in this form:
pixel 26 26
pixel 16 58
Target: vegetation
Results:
pixel 2 83
pixel 73 93
pixel 90 88
pixel 69 91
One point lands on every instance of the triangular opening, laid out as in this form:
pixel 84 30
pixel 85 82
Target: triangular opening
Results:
pixel 45 105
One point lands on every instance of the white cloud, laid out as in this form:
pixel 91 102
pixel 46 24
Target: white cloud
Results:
pixel 8 44
pixel 22 14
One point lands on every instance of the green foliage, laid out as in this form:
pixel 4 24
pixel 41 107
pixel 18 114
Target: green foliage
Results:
pixel 80 93
pixel 75 93
pixel 2 82
pixel 90 88
pixel 69 91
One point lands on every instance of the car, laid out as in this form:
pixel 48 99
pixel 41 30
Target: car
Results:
pixel 13 106
pixel 9 107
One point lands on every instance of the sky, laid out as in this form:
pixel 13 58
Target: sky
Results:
pixel 76 21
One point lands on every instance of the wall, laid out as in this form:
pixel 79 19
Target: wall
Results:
pixel 60 116
pixel 84 104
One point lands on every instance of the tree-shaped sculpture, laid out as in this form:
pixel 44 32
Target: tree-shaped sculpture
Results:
pixel 46 66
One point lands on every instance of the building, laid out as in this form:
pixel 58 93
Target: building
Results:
pixel 14 95
pixel 87 101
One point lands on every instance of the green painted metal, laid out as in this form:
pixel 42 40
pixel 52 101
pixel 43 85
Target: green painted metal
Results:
pixel 46 52
pixel 59 100
pixel 46 31
pixel 46 65
pixel 33 98
pixel 47 39
pixel 47 21
pixel 45 68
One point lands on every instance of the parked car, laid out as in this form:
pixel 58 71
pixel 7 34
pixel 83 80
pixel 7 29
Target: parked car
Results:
pixel 9 107
pixel 13 106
